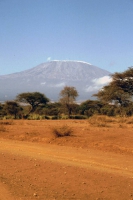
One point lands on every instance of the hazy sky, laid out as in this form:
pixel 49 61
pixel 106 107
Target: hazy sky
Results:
pixel 96 31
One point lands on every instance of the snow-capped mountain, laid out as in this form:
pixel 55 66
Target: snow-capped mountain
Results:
pixel 50 78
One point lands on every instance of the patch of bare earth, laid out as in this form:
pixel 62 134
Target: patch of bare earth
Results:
pixel 94 163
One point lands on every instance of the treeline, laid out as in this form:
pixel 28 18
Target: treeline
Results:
pixel 114 99
pixel 56 110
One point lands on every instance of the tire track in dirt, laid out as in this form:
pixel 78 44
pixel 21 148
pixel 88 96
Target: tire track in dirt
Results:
pixel 93 159
pixel 102 174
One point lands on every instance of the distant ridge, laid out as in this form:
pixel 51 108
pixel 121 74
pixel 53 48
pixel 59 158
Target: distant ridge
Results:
pixel 50 77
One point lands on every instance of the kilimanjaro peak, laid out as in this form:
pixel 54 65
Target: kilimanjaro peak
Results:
pixel 50 78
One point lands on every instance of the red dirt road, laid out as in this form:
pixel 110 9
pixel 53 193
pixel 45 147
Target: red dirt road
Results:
pixel 48 172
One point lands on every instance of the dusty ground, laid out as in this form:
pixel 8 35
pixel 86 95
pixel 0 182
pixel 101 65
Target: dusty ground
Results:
pixel 96 162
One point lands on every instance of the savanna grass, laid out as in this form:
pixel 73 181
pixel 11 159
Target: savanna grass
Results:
pixel 106 121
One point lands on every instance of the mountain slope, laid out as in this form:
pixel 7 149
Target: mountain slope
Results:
pixel 51 77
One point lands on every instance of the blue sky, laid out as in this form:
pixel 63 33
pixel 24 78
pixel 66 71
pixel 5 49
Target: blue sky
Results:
pixel 96 31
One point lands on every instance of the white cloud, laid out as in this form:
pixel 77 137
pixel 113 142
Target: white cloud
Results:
pixel 49 58
pixel 98 83
pixel 102 81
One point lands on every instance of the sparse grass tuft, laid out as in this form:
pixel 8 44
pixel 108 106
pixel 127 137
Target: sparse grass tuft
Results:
pixel 62 131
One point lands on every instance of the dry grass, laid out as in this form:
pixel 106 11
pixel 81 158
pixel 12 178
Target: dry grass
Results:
pixel 62 131
pixel 101 120
pixel 126 120
pixel 105 121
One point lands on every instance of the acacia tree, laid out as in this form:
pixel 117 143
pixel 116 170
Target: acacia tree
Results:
pixel 68 96
pixel 33 98
pixel 119 90
pixel 124 80
pixel 113 94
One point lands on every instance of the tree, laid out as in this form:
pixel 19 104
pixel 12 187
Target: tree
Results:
pixel 124 80
pixel 12 108
pixel 90 107
pixel 68 96
pixel 113 94
pixel 33 98
pixel 119 90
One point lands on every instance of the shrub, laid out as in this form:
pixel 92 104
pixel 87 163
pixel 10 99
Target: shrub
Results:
pixel 54 117
pixel 62 131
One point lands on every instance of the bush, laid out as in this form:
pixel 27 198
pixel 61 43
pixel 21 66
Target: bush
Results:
pixel 62 131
